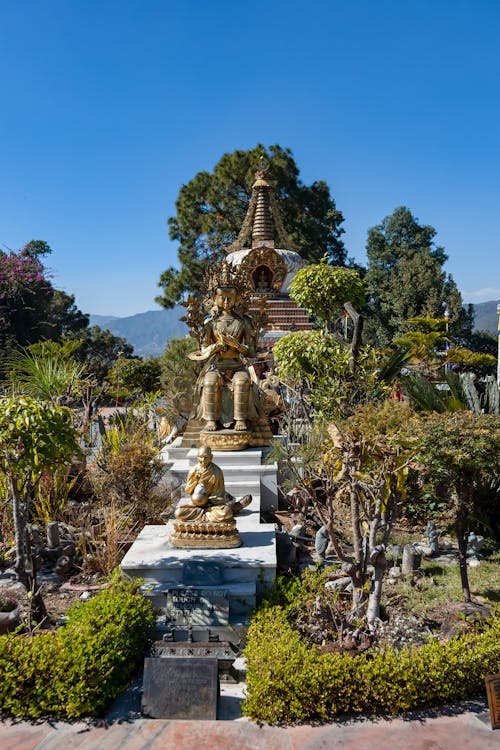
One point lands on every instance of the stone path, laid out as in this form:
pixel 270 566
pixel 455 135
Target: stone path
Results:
pixel 460 728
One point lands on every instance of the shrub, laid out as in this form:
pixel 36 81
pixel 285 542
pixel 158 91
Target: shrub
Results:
pixel 288 680
pixel 79 668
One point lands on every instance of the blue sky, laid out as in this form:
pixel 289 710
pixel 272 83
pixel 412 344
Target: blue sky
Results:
pixel 109 106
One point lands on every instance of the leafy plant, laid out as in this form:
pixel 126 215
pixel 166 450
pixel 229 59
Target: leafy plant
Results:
pixel 51 495
pixel 323 289
pixel 78 669
pixel 461 452
pixel 34 436
pixel 288 680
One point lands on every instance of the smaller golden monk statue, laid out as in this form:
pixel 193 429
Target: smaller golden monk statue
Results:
pixel 205 484
pixel 206 519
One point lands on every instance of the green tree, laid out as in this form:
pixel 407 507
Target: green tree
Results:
pixel 460 452
pixel 211 208
pixel 322 290
pixel 135 377
pixel 405 279
pixel 30 308
pixel 316 368
pixel 64 318
pixel 35 436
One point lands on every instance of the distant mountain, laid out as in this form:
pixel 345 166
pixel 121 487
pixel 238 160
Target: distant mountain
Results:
pixel 486 318
pixel 148 332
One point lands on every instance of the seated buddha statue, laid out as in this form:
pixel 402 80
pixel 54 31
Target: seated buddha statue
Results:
pixel 205 485
pixel 224 388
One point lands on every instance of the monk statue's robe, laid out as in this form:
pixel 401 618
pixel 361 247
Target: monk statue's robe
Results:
pixel 215 510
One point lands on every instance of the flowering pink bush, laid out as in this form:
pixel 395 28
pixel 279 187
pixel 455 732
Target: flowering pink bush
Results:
pixel 25 299
pixel 21 275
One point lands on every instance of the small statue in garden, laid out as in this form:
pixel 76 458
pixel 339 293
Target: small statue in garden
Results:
pixel 432 538
pixel 474 544
pixel 207 519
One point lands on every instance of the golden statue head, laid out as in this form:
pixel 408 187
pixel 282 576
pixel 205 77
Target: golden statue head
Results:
pixel 204 456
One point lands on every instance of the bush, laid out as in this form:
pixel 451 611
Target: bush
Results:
pixel 289 680
pixel 78 669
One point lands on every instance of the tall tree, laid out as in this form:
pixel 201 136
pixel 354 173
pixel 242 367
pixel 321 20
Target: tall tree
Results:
pixel 30 308
pixel 405 279
pixel 211 208
pixel 460 453
pixel 63 317
pixel 35 436
pixel 25 295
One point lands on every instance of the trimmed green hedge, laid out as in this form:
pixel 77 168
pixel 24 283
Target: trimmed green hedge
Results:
pixel 288 680
pixel 78 669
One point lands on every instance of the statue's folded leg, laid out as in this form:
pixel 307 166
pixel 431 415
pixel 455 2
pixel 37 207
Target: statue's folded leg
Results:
pixel 189 513
pixel 241 393
pixel 211 399
pixel 218 513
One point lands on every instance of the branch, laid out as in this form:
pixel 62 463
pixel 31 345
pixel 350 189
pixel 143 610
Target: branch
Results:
pixel 357 321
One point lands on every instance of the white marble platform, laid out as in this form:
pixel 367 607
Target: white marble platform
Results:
pixel 246 570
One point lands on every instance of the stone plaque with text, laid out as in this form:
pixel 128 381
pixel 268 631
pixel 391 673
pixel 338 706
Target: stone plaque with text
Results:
pixel 196 606
pixel 177 688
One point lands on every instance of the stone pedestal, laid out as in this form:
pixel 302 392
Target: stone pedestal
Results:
pixel 244 571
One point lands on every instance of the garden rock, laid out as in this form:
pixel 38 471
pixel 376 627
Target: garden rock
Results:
pixel 395 572
pixel 63 565
pixel 338 584
pixel 445 544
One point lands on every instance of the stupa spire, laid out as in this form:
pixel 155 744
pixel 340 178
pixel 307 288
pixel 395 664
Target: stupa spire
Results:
pixel 263 225
pixel 263 216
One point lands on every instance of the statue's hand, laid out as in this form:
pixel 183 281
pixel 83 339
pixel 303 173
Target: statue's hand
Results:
pixel 235 344
pixel 206 352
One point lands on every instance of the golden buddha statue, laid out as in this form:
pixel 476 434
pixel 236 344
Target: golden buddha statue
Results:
pixel 225 394
pixel 206 519
pixel 205 484
pixel 229 410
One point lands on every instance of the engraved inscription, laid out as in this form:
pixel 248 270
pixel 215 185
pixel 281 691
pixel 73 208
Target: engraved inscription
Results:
pixel 193 606
pixel 176 688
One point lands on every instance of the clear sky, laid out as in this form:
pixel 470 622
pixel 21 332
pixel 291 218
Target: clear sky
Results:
pixel 109 106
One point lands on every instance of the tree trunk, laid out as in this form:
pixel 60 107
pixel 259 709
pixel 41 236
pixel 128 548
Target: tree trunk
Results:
pixel 379 561
pixel 462 529
pixel 24 564
pixel 20 512
pixel 357 571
